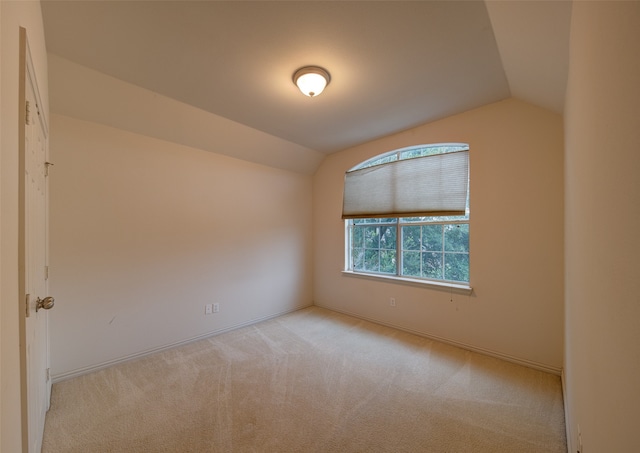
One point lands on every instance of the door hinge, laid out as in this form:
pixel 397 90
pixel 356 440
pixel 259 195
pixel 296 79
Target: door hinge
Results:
pixel 27 299
pixel 48 374
pixel 27 117
pixel 46 168
pixel 46 272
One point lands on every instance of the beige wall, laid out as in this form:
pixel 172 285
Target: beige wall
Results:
pixel 516 238
pixel 1 254
pixel 13 15
pixel 80 92
pixel 602 227
pixel 145 232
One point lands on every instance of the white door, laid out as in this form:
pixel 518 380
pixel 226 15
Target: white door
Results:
pixel 36 383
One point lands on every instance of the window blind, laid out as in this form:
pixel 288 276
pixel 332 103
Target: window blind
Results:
pixel 434 185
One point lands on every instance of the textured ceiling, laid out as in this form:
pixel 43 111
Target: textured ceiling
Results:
pixel 394 65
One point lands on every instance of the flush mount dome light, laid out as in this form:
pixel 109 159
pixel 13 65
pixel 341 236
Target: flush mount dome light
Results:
pixel 311 80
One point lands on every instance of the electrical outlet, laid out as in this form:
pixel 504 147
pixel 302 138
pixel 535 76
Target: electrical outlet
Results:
pixel 216 308
pixel 392 301
pixel 208 309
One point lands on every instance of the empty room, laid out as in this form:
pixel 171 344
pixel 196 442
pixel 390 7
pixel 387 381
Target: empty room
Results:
pixel 319 226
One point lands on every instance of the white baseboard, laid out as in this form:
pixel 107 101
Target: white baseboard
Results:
pixel 468 347
pixel 92 368
pixel 96 367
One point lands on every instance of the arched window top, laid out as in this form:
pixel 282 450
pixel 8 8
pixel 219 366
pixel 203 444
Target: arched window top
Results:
pixel 421 180
pixel 411 152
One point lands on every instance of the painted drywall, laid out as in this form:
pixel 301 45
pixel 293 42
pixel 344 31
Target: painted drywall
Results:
pixel 516 238
pixel 602 223
pixel 1 255
pixel 84 93
pixel 145 232
pixel 14 14
pixel 533 40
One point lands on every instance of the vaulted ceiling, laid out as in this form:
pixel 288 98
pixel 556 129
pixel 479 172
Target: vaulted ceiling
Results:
pixel 394 64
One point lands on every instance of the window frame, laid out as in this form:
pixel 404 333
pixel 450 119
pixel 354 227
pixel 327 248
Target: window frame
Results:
pixel 398 223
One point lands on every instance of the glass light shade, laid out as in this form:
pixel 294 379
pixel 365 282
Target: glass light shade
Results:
pixel 311 80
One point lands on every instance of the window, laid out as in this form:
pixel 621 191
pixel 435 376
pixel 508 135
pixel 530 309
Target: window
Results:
pixel 432 241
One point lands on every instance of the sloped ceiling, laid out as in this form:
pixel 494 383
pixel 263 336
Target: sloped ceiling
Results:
pixel 533 40
pixel 394 64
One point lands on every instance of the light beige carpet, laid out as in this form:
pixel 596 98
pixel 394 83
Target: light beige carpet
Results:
pixel 309 381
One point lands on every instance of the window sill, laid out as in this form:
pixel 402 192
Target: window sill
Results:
pixel 460 288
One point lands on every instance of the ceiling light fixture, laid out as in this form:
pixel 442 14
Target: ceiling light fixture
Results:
pixel 311 80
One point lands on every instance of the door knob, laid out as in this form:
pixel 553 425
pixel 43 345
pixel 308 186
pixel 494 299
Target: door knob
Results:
pixel 46 303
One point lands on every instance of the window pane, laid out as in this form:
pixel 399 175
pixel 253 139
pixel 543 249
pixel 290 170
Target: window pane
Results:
pixel 411 264
pixel 388 237
pixel 374 221
pixel 435 219
pixel 456 267
pixel 456 238
pixel 365 221
pixel 372 237
pixel 357 237
pixel 388 261
pixel 383 160
pixel 357 259
pixel 411 238
pixel 432 265
pixel 430 151
pixel 432 238
pixel 372 260
pixel 373 248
